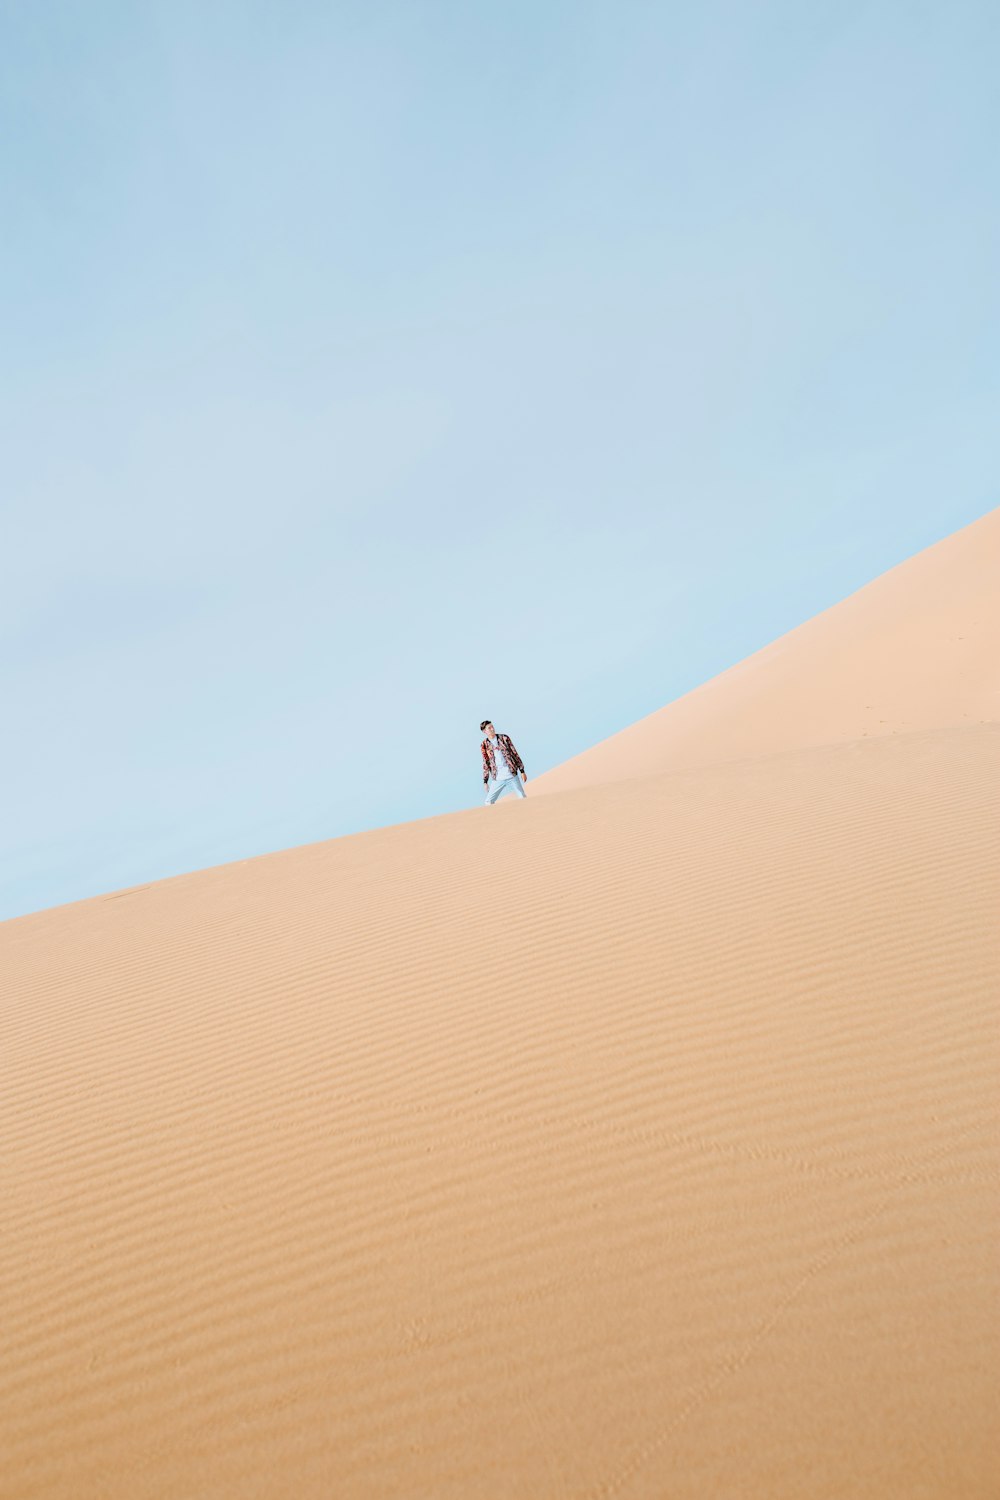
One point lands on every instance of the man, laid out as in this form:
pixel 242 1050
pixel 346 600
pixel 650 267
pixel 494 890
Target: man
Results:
pixel 501 764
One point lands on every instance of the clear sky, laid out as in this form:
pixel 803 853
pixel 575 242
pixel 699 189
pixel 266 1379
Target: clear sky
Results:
pixel 369 369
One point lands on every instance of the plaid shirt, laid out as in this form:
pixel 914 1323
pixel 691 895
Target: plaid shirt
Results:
pixel 510 755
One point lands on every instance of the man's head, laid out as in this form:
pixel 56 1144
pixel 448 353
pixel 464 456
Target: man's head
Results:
pixel 486 727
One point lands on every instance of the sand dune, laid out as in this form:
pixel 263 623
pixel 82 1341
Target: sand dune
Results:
pixel 635 1140
pixel 919 648
pixel 674 1175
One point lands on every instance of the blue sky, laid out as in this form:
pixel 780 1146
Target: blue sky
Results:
pixel 368 369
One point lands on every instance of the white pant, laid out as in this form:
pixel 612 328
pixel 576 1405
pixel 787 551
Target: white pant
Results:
pixel 495 789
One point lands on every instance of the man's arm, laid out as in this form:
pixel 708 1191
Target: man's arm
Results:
pixel 517 759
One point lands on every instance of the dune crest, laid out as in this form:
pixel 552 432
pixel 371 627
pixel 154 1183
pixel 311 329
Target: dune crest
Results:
pixel 917 648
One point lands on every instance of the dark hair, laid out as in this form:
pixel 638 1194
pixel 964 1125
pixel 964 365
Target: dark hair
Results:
pixel 484 724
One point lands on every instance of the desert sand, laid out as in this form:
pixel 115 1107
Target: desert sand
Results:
pixel 637 1139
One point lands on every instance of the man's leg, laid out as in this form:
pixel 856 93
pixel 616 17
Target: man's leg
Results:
pixel 493 790
pixel 509 784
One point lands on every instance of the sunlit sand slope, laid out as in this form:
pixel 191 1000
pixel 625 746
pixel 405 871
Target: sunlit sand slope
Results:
pixel 919 648
pixel 634 1142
